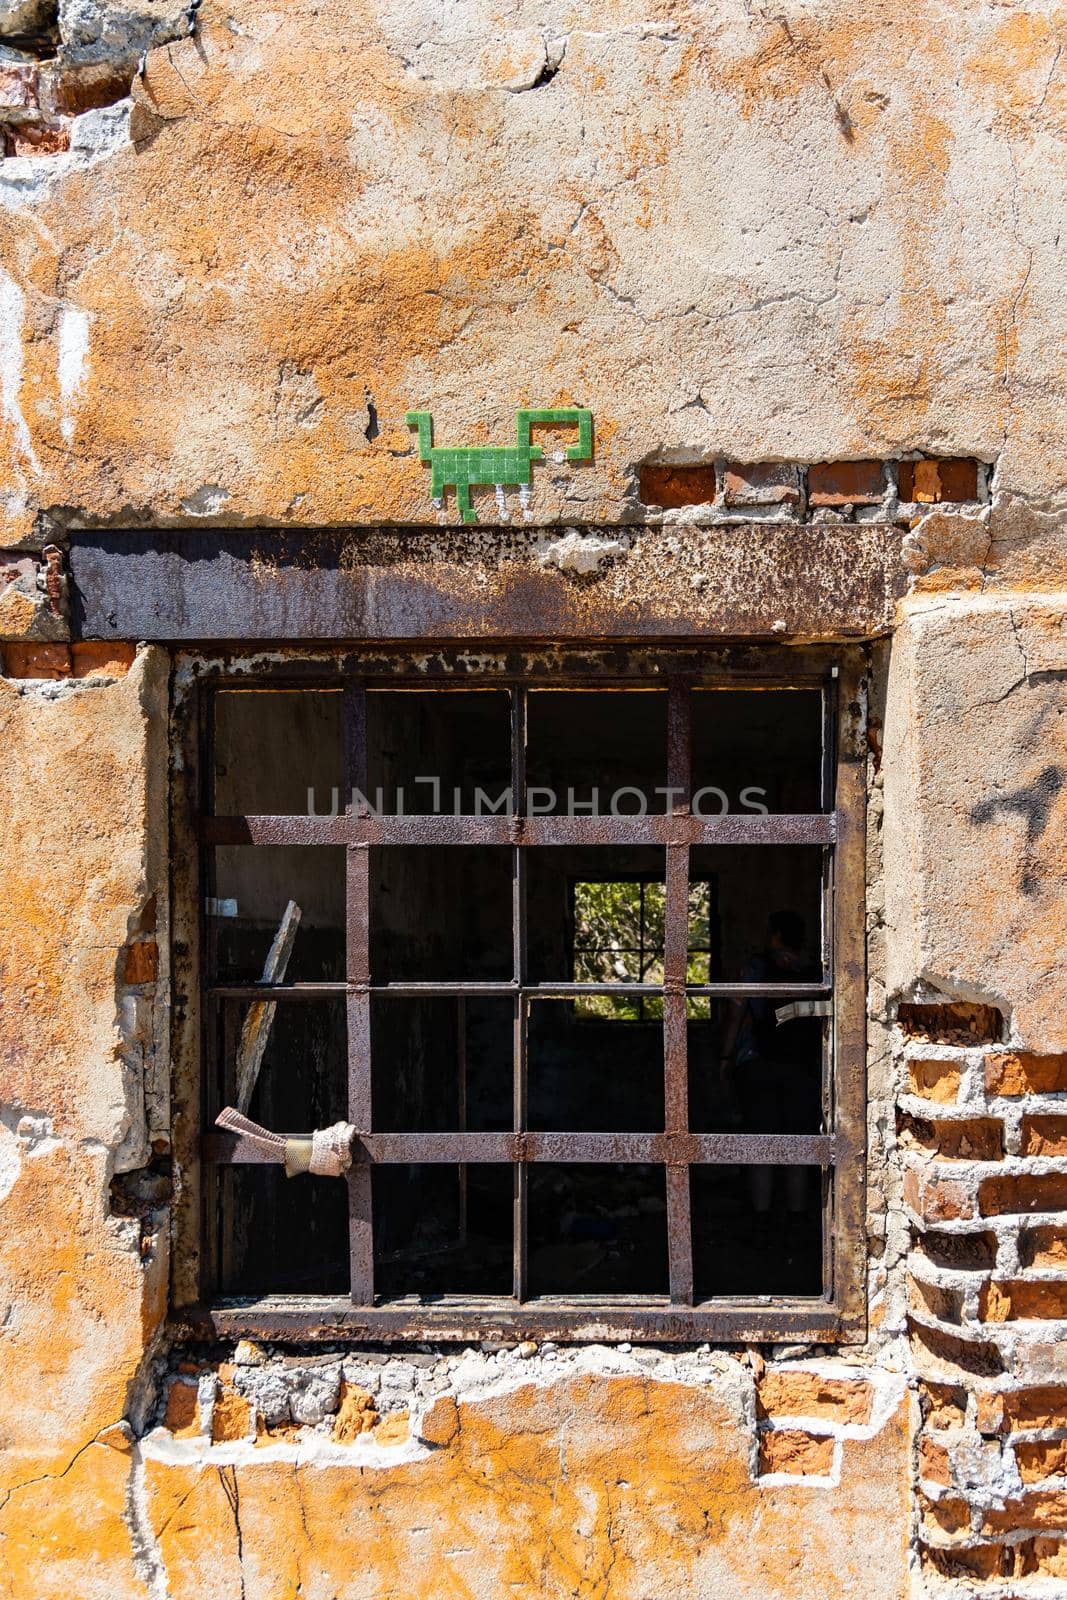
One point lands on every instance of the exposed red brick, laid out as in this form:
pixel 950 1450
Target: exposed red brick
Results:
pixel 962 1252
pixel 182 1415
pixel 994 1303
pixel 141 964
pixel 1044 1136
pixel 1042 1406
pixel 1043 1247
pixel 937 1199
pixel 1041 1458
pixel 783 1393
pixel 1023 1300
pixel 1042 1508
pixel 981 1561
pixel 1002 1194
pixel 934 1462
pixel 946 1305
pixel 231 1417
pixel 839 483
pixel 115 660
pixel 792 1450
pixel 1042 1557
pixel 37 660
pixel 761 484
pixel 946 1515
pixel 942 1355
pixel 935 1080
pixel 39 139
pixel 83 88
pixel 944 1405
pixel 441 1422
pixel 673 484
pixel 976 1139
pixel 961 1022
pixel 1013 1073
pixel 952 478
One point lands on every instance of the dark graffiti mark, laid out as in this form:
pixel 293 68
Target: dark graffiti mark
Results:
pixel 1035 803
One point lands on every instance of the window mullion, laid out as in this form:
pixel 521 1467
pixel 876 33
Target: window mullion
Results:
pixel 675 964
pixel 357 972
pixel 520 1074
pixel 845 1280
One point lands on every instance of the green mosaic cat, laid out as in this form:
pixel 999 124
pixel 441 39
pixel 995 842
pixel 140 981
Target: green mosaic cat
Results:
pixel 461 468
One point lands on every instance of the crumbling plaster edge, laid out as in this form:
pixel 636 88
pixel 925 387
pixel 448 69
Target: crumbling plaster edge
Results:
pixel 728 1375
pixel 95 137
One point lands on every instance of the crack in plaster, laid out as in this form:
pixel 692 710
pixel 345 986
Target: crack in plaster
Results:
pixel 144 1540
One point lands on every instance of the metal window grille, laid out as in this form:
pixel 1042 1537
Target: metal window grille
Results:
pixel 838 1150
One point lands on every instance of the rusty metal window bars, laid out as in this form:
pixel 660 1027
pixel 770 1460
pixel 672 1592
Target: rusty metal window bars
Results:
pixel 837 1150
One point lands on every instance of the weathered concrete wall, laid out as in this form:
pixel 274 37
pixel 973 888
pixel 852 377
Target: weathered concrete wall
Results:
pixel 976 807
pixel 751 238
pixel 824 230
pixel 82 1289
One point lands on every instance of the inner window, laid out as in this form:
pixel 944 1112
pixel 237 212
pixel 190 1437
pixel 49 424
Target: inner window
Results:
pixel 619 931
pixel 563 954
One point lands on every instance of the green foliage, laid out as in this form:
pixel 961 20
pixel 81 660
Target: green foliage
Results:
pixel 619 930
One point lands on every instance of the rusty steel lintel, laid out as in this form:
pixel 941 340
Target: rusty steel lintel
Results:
pixel 733 828
pixel 673 1149
pixel 729 1320
pixel 800 580
pixel 399 667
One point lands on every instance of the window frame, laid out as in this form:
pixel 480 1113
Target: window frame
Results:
pixel 839 1314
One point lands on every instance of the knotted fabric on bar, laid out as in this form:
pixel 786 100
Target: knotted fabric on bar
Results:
pixel 327 1153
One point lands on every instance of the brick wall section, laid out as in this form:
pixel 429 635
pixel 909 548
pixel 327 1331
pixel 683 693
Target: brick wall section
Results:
pixel 804 1415
pixel 56 661
pixel 883 490
pixel 982 1140
pixel 933 482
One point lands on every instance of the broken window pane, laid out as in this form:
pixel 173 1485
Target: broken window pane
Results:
pixel 443 1229
pixel 572 936
pixel 439 752
pixel 277 752
pixel 588 1076
pixel 757 750
pixel 756 1230
pixel 442 1063
pixel 248 906
pixel 442 915
pixel 600 754
pixel 597 1228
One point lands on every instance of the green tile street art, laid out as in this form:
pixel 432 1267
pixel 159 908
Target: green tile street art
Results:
pixel 461 468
